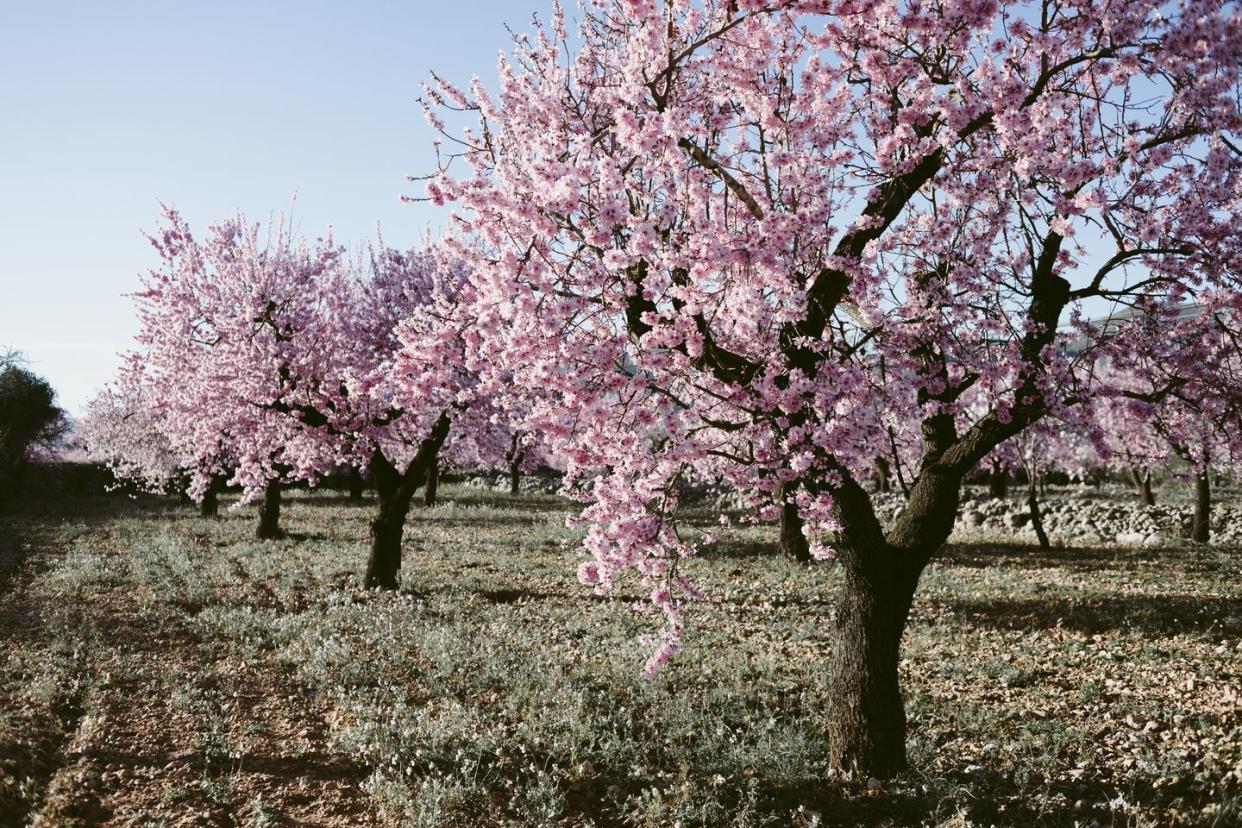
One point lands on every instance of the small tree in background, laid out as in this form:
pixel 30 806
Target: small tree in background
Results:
pixel 29 417
pixel 1152 409
pixel 122 429
pixel 306 359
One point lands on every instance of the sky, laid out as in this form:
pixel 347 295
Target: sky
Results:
pixel 108 109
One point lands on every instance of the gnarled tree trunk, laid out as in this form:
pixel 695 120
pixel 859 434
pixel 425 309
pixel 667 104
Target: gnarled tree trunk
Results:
pixel 793 541
pixel 515 477
pixel 269 512
pixel 209 506
pixel 1201 529
pixel 998 481
pixel 1032 505
pixel 1142 484
pixel 867 717
pixel 514 457
pixel 396 489
pixel 387 529
pixel 433 484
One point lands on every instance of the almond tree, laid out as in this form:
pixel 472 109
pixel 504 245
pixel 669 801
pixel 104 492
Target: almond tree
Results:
pixel 209 355
pixel 706 225
pixel 1176 395
pixel 151 440
pixel 122 429
pixel 1124 436
pixel 309 359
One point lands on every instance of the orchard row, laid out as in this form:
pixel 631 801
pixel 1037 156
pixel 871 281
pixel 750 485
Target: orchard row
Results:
pixel 771 243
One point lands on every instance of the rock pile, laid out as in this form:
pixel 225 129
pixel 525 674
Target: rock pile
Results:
pixel 527 483
pixel 1078 521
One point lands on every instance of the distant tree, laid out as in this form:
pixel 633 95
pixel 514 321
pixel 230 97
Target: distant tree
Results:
pixel 29 417
pixel 1152 409
pixel 308 359
pixel 124 430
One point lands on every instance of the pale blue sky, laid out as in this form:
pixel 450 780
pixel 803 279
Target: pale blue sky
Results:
pixel 107 108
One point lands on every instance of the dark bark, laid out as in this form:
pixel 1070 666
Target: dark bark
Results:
pixel 1142 483
pixel 998 481
pixel 515 476
pixel 209 506
pixel 1201 529
pixel 514 458
pixel 1032 505
pixel 395 489
pixel 387 529
pixel 433 484
pixel 883 475
pixel 867 717
pixel 793 541
pixel 269 513
pixel 355 485
pixel 18 488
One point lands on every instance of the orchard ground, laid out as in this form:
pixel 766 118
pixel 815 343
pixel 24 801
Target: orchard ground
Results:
pixel 164 669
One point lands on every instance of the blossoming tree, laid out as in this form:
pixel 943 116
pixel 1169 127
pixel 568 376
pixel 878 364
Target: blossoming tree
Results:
pixel 308 359
pixel 706 225
pixel 1175 395
pixel 123 429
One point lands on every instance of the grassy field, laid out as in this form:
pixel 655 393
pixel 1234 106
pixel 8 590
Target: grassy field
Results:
pixel 163 669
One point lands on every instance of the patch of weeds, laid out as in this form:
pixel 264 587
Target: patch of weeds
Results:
pixel 216 790
pixel 213 739
pixel 1049 688
pixel 260 814
pixel 177 794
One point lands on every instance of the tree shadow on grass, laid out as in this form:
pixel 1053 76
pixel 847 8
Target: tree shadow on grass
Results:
pixel 910 800
pixel 1159 614
pixel 522 503
pixel 313 498
pixel 1185 559
pixel 743 550
pixel 1023 556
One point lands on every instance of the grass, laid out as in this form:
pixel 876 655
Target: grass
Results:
pixel 182 667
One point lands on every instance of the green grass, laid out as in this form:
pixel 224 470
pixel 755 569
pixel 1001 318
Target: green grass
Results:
pixel 1043 688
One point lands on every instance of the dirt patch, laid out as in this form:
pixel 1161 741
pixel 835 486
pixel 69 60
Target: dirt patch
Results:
pixel 40 698
pixel 164 727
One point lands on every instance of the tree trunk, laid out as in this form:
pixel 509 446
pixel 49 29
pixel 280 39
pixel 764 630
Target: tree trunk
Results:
pixel 433 483
pixel 793 542
pixel 515 475
pixel 395 490
pixel 269 513
pixel 514 458
pixel 1142 482
pixel 355 485
pixel 387 529
pixel 867 717
pixel 1201 530
pixel 883 475
pixel 209 506
pixel 998 482
pixel 1032 505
